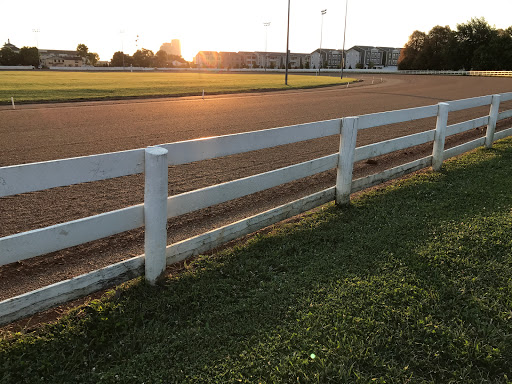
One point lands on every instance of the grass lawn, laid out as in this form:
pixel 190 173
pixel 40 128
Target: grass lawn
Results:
pixel 27 86
pixel 410 284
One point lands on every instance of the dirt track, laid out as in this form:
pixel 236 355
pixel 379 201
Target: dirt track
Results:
pixel 46 132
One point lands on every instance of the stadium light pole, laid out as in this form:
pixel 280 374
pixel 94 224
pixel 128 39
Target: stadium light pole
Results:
pixel 323 11
pixel 287 47
pixel 122 44
pixel 266 25
pixel 344 34
pixel 36 31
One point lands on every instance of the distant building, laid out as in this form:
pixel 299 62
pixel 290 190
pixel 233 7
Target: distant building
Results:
pixel 358 56
pixel 326 58
pixel 212 59
pixel 60 58
pixel 375 57
pixel 230 60
pixel 62 61
pixel 207 59
pixel 11 46
pixel 172 48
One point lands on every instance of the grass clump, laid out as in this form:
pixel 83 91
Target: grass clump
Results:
pixel 411 283
pixel 26 86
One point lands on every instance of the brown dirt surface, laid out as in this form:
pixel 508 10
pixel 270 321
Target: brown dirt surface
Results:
pixel 34 133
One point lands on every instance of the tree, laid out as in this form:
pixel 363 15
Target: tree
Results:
pixel 82 50
pixel 29 56
pixel 143 58
pixel 9 57
pixel 470 36
pixel 438 48
pixel 161 59
pixel 92 58
pixel 121 59
pixel 496 55
pixel 409 55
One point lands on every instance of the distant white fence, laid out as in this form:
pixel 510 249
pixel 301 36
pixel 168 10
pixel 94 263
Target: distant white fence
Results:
pixel 158 207
pixel 15 67
pixel 385 70
pixel 491 73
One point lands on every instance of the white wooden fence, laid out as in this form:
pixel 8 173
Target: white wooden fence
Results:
pixel 385 70
pixel 158 207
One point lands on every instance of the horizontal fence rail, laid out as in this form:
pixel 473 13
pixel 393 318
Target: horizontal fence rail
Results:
pixel 33 177
pixel 212 147
pixel 153 162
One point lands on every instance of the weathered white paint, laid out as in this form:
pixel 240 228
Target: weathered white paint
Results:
pixel 502 134
pixel 212 147
pixel 56 173
pixel 29 244
pixel 506 96
pixel 473 102
pixel 392 173
pixel 399 116
pixel 438 149
pixel 348 139
pixel 67 290
pixel 210 240
pixel 155 218
pixel 216 194
pixel 505 115
pixel 470 145
pixel 388 146
pixel 12 101
pixel 493 118
pixel 466 125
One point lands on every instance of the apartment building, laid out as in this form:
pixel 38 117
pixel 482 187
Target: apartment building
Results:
pixel 326 58
pixel 360 56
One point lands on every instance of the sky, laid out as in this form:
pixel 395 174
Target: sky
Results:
pixel 107 26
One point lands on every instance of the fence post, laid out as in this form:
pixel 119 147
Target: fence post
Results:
pixel 346 160
pixel 493 118
pixel 438 150
pixel 155 213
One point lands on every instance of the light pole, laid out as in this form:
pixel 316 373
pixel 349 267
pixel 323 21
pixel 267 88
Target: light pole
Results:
pixel 324 11
pixel 287 47
pixel 36 31
pixel 344 34
pixel 122 44
pixel 266 25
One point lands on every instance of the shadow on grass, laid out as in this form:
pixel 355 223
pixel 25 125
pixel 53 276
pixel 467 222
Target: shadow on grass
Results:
pixel 410 283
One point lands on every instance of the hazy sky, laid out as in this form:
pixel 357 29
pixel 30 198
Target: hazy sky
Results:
pixel 107 26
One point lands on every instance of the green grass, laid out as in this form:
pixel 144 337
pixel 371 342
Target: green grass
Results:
pixel 410 284
pixel 26 86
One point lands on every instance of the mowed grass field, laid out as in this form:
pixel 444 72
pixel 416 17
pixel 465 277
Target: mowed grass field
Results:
pixel 410 284
pixel 44 86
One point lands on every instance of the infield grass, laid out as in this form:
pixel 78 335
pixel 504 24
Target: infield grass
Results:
pixel 410 284
pixel 45 86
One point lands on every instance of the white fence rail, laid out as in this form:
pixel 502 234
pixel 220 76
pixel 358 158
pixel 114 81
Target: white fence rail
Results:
pixel 158 207
pixel 385 70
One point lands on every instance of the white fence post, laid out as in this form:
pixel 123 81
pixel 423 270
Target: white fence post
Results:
pixel 442 122
pixel 155 212
pixel 493 118
pixel 346 159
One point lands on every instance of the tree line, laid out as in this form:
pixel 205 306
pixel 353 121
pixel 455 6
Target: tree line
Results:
pixel 474 45
pixel 146 58
pixel 30 56
pixel 26 56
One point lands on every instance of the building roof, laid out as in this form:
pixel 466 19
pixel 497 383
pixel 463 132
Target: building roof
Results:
pixel 64 57
pixel 11 46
